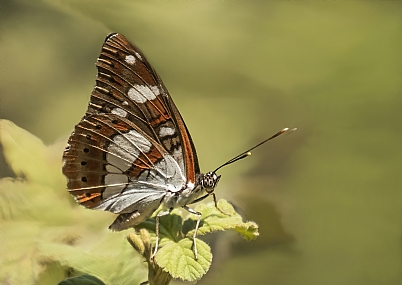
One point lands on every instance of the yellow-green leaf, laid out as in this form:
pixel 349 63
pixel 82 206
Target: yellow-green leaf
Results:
pixel 178 259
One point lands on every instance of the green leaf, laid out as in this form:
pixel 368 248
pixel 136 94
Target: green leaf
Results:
pixel 175 254
pixel 214 220
pixel 23 152
pixel 84 279
pixel 177 258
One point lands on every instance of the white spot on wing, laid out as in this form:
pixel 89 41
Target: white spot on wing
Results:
pixel 112 169
pixel 171 188
pixel 126 149
pixel 190 185
pixel 138 55
pixel 130 59
pixel 119 112
pixel 172 176
pixel 143 93
pixel 165 131
pixel 115 184
pixel 112 191
pixel 178 157
pixel 122 161
pixel 111 179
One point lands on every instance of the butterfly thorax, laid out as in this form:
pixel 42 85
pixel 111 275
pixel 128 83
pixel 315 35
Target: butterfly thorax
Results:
pixel 204 186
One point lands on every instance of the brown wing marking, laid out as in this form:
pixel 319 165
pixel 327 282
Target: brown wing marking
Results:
pixel 85 159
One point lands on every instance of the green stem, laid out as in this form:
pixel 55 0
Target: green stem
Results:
pixel 142 244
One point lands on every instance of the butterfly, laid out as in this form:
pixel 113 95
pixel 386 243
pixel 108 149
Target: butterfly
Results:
pixel 132 152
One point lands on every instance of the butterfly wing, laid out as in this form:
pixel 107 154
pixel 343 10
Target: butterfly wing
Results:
pixel 132 145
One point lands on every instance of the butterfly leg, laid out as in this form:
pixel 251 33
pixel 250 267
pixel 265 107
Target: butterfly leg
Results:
pixel 216 206
pixel 196 229
pixel 157 229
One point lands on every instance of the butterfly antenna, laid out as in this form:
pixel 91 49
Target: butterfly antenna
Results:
pixel 247 153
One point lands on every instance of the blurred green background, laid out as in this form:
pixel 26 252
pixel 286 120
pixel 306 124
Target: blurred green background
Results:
pixel 328 197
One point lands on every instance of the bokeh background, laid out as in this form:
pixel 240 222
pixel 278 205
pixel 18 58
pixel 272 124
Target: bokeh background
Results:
pixel 327 197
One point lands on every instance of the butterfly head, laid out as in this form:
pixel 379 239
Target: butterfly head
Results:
pixel 209 181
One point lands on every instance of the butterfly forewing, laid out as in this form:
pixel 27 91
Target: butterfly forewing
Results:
pixel 127 86
pixel 132 144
